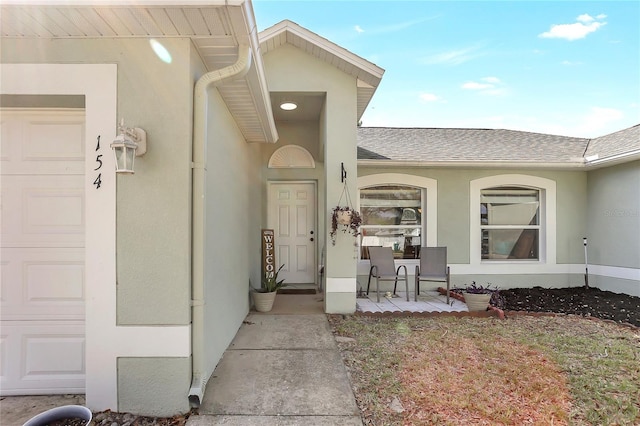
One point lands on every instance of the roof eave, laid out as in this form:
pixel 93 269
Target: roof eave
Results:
pixel 258 81
pixel 255 118
pixel 475 164
pixel 612 160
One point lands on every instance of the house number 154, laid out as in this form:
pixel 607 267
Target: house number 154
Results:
pixel 98 181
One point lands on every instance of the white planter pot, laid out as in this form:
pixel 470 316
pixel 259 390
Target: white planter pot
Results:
pixel 263 301
pixel 343 217
pixel 477 302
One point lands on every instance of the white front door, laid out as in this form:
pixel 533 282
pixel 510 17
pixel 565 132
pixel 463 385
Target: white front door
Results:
pixel 42 248
pixel 292 216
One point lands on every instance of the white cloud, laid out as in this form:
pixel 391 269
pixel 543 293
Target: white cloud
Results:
pixel 358 29
pixel 586 24
pixel 429 97
pixel 585 18
pixel 570 63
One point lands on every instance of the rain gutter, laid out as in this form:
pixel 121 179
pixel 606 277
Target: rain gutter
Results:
pixel 596 162
pixel 199 155
pixel 579 164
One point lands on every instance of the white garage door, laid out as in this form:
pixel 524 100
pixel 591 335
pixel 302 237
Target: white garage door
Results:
pixel 42 252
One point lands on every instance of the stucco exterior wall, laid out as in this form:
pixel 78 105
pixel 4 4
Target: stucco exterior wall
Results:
pixel 143 391
pixel 290 69
pixel 152 283
pixel 613 215
pixel 233 224
pixel 453 229
pixel 152 205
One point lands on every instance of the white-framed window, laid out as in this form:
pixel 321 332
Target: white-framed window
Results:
pixel 513 219
pixel 391 217
pixel 510 223
pixel 398 211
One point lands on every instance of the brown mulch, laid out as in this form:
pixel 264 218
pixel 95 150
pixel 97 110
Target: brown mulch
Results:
pixel 587 302
pixel 110 418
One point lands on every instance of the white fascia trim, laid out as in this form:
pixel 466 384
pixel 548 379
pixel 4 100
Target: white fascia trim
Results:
pixel 474 164
pixel 256 75
pixel 547 214
pixel 614 159
pixel 431 203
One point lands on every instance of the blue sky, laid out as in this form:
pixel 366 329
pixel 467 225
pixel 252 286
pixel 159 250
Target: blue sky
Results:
pixel 561 67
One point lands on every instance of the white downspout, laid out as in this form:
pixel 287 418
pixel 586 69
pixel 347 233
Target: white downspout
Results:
pixel 200 132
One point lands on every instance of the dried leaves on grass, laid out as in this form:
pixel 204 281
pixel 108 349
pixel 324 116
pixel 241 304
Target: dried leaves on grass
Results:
pixel 550 370
pixel 486 381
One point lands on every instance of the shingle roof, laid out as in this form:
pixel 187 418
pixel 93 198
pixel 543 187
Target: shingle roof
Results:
pixel 467 145
pixel 433 145
pixel 621 142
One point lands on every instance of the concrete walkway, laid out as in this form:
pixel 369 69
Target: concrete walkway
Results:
pixel 281 369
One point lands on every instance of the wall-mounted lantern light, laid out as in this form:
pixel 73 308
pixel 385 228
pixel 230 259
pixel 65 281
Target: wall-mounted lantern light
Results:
pixel 129 144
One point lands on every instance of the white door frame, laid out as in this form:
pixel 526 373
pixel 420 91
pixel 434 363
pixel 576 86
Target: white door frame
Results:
pixel 270 218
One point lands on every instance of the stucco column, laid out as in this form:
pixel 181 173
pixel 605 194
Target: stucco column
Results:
pixel 340 148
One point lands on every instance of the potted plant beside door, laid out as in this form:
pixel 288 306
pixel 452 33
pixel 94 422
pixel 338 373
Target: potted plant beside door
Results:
pixel 348 218
pixel 264 297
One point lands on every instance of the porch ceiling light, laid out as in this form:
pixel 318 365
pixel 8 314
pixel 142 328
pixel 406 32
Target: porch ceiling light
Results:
pixel 129 144
pixel 288 106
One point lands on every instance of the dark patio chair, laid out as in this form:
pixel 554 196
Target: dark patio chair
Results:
pixel 433 267
pixel 383 268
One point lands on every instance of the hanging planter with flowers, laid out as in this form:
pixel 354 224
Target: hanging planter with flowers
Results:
pixel 345 217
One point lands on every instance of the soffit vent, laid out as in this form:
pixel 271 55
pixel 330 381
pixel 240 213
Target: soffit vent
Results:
pixel 291 156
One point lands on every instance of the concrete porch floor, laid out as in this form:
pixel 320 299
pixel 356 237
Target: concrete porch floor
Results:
pixel 428 301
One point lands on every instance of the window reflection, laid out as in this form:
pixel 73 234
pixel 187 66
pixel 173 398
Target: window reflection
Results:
pixel 510 223
pixel 391 217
